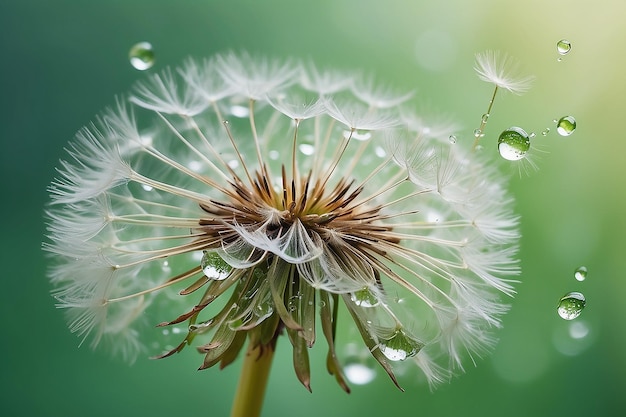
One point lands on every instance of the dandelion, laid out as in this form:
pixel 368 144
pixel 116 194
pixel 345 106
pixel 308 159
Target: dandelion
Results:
pixel 502 71
pixel 247 225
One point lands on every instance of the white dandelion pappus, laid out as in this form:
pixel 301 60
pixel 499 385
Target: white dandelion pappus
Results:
pixel 372 211
pixel 502 70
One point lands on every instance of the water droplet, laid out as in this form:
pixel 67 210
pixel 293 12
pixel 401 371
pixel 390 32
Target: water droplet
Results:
pixel 581 273
pixel 399 346
pixel 141 56
pixel 452 139
pixel 566 125
pixel 358 373
pixel 571 305
pixel 513 144
pixel 364 298
pixel 264 310
pixel 307 149
pixel 478 133
pixel 484 118
pixel 214 266
pixel 563 46
pixel 545 131
pixel 532 135
pixel 239 111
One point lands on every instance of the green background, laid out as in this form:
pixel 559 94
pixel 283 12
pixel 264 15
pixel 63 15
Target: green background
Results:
pixel 63 61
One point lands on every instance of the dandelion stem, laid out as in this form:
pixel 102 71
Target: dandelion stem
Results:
pixel 483 121
pixel 253 380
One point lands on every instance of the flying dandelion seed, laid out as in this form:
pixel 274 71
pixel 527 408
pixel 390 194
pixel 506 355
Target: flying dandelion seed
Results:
pixel 276 202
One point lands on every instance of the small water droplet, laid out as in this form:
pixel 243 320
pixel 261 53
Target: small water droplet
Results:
pixel 545 131
pixel 264 310
pixel 452 139
pixel 484 118
pixel 214 266
pixel 141 56
pixel 364 298
pixel 399 346
pixel 581 273
pixel 513 143
pixel 532 135
pixel 563 46
pixel 566 125
pixel 478 133
pixel 239 111
pixel 307 149
pixel 571 305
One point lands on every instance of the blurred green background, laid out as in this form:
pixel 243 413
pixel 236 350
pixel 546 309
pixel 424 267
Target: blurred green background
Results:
pixel 63 61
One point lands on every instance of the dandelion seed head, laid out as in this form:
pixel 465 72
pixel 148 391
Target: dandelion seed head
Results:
pixel 502 70
pixel 305 189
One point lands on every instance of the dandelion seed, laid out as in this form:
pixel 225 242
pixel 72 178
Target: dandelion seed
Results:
pixel 501 71
pixel 272 233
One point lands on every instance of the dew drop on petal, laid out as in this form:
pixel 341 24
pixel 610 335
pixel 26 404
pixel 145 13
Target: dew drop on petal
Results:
pixel 141 56
pixel 571 305
pixel 563 46
pixel 399 346
pixel 566 125
pixel 214 266
pixel 513 144
pixel 581 273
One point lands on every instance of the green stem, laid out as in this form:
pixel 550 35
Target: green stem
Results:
pixel 253 381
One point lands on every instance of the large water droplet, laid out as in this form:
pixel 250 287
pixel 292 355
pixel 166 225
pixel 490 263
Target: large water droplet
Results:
pixel 513 143
pixel 141 56
pixel 364 298
pixel 214 266
pixel 399 346
pixel 571 305
pixel 563 46
pixel 566 125
pixel 359 373
pixel 581 273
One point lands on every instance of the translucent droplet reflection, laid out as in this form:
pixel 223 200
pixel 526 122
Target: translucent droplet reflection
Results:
pixel 571 305
pixel 513 144
pixel 141 56
pixel 581 273
pixel 399 346
pixel 563 46
pixel 566 125
pixel 213 266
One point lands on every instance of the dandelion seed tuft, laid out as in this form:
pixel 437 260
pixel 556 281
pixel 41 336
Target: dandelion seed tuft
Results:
pixel 236 198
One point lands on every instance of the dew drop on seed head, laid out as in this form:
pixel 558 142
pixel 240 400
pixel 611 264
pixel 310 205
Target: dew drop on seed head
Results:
pixel 581 273
pixel 399 346
pixel 141 56
pixel 571 305
pixel 563 46
pixel 364 298
pixel 566 125
pixel 213 266
pixel 513 144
